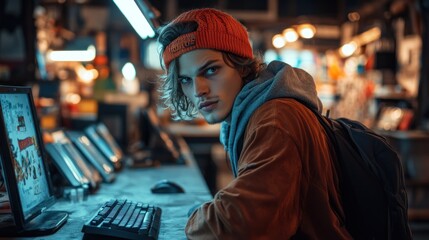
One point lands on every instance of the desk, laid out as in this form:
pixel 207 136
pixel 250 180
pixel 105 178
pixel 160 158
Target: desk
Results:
pixel 135 184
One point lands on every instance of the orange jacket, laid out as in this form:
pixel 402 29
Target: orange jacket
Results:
pixel 286 186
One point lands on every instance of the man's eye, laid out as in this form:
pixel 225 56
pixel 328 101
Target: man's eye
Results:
pixel 184 80
pixel 211 70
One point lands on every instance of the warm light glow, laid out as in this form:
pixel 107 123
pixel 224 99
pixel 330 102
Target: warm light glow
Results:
pixel 397 113
pixel 86 75
pixel 72 55
pixel 369 36
pixel 353 16
pixel 348 49
pixel 129 72
pixel 290 35
pixel 360 40
pixel 136 18
pixel 72 98
pixel 306 30
pixel 278 41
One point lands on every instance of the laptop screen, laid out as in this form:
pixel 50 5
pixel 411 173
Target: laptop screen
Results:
pixel 23 152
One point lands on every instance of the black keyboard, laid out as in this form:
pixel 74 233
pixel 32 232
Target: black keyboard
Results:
pixel 125 219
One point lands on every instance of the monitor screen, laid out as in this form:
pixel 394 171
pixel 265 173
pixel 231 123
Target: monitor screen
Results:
pixel 21 151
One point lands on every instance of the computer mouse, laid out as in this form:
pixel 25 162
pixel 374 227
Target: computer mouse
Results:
pixel 167 186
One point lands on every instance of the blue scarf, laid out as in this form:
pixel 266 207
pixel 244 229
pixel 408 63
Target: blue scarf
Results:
pixel 278 80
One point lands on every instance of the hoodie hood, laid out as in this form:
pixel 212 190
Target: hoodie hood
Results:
pixel 278 80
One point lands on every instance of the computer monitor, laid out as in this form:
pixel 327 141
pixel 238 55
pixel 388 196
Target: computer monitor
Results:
pixel 115 117
pixel 24 165
pixel 163 145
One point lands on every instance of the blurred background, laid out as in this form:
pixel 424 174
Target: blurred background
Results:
pixel 86 59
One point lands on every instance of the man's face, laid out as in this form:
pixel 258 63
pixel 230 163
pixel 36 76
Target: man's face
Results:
pixel 209 83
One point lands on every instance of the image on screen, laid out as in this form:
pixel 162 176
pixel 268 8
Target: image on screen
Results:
pixel 25 150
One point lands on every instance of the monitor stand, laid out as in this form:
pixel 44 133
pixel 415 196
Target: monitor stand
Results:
pixel 46 223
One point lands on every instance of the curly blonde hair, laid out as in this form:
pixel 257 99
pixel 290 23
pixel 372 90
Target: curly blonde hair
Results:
pixel 170 89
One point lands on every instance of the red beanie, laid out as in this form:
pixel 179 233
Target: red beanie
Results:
pixel 216 30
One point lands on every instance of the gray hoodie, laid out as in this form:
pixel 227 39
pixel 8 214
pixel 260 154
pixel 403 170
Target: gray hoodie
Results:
pixel 278 80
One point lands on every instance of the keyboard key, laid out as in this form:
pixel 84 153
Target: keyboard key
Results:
pixel 139 220
pixel 127 216
pixel 105 211
pixel 114 211
pixel 144 228
pixel 111 203
pixel 97 220
pixel 125 219
pixel 121 214
pixel 133 217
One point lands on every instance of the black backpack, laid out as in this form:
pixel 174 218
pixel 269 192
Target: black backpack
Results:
pixel 371 180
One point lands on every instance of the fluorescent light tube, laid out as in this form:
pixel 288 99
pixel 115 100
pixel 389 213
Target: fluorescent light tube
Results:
pixel 136 18
pixel 72 55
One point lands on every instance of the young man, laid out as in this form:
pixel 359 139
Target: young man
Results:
pixel 285 186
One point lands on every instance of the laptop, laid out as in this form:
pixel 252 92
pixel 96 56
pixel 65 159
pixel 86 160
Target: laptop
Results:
pixel 67 157
pixel 92 155
pixel 103 146
pixel 109 139
pixel 24 167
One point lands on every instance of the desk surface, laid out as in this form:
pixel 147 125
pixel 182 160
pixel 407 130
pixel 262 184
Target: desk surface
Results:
pixel 135 184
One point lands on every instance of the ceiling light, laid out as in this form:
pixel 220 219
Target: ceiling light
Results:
pixel 278 41
pixel 348 49
pixel 306 30
pixel 129 71
pixel 136 18
pixel 290 35
pixel 72 55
